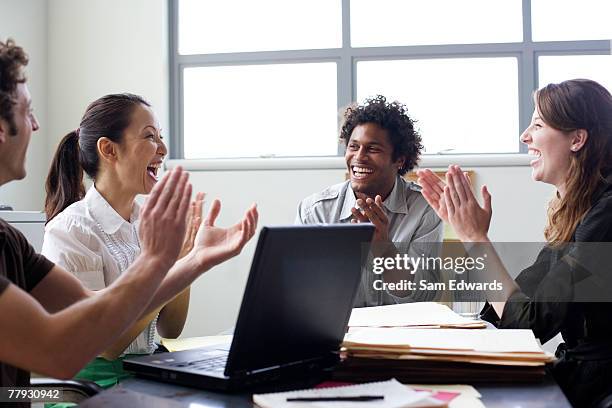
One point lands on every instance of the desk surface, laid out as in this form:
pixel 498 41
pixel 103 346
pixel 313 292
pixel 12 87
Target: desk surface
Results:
pixel 546 394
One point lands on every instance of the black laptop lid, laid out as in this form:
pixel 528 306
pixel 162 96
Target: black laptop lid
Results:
pixel 299 294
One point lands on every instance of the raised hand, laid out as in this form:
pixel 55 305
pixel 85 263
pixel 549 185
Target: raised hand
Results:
pixel 194 220
pixel 162 218
pixel 373 211
pixel 433 192
pixel 469 220
pixel 214 245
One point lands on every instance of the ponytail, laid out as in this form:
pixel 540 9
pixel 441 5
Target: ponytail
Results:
pixel 64 184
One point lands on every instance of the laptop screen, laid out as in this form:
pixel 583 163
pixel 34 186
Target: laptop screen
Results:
pixel 299 294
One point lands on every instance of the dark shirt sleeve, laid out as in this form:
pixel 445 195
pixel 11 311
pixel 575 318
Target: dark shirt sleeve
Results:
pixel 35 266
pixel 576 273
pixel 3 284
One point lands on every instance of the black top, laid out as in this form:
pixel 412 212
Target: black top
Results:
pixel 22 266
pixel 549 302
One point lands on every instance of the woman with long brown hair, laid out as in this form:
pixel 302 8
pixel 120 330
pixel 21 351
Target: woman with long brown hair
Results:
pixel 570 137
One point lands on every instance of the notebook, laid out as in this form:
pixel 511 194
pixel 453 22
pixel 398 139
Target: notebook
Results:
pixel 396 395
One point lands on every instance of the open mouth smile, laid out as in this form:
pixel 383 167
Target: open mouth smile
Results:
pixel 535 153
pixel 360 172
pixel 152 170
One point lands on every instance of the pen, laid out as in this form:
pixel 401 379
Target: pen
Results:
pixel 355 398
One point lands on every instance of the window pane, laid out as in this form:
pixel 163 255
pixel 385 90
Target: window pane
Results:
pixel 567 20
pixel 260 110
pixel 560 68
pixel 376 23
pixel 461 105
pixel 218 26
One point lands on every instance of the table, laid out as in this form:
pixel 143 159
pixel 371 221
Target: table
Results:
pixel 545 394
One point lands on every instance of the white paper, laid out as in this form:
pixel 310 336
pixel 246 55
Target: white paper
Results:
pixel 396 395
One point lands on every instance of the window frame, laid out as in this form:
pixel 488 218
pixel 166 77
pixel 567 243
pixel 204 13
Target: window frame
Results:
pixel 346 58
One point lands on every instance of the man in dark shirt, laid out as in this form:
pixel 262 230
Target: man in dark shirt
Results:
pixel 50 323
pixel 23 267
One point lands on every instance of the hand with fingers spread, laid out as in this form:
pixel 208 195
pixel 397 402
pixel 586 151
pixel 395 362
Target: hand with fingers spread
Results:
pixel 433 192
pixel 194 220
pixel 373 211
pixel 469 220
pixel 214 245
pixel 162 218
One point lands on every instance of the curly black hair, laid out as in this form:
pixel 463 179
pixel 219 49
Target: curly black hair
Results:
pixel 392 117
pixel 12 61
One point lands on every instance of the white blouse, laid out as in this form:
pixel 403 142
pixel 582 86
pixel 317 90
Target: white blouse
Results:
pixel 91 240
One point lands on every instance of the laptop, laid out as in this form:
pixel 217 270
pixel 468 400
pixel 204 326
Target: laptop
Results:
pixel 293 316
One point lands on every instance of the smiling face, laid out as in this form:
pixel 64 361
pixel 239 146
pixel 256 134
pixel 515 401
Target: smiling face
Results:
pixel 141 152
pixel 551 149
pixel 14 146
pixel 369 159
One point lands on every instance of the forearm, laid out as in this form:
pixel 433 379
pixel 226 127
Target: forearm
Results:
pixel 172 318
pixel 173 315
pixel 90 326
pixel 115 350
pixel 426 242
pixel 494 271
pixel 182 274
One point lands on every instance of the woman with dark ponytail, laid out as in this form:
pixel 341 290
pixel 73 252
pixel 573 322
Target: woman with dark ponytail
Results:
pixel 93 234
pixel 65 179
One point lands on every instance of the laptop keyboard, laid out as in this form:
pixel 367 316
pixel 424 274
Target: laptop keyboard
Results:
pixel 208 364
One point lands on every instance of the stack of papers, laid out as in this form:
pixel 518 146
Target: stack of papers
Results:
pixel 388 394
pixel 442 356
pixel 419 314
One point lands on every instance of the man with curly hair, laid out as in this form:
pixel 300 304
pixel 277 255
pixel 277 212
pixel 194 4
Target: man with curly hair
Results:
pixel 381 146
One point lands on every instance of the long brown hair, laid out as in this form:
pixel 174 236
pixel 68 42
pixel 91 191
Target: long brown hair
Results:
pixel 77 152
pixel 568 106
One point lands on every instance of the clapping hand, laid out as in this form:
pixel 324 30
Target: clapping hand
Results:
pixel 214 245
pixel 373 211
pixel 194 220
pixel 469 220
pixel 433 192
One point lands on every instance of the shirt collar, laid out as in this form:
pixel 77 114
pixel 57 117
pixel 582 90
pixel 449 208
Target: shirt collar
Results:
pixel 395 202
pixel 349 202
pixel 105 215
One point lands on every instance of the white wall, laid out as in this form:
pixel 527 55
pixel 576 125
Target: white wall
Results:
pixel 26 22
pixel 97 47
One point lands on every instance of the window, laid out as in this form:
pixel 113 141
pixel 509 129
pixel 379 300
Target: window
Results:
pixel 260 110
pixel 400 22
pixel 269 78
pixel 213 26
pixel 560 68
pixel 470 105
pixel 570 20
